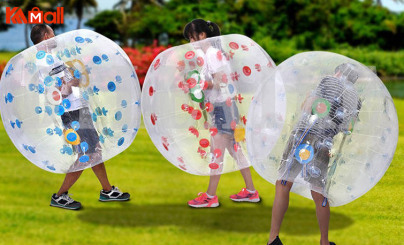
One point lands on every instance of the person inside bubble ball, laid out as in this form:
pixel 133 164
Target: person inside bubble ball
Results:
pixel 331 109
pixel 224 115
pixel 77 113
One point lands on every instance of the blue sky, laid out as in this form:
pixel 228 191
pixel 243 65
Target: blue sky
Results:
pixel 397 7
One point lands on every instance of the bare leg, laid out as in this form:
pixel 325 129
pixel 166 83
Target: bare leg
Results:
pixel 281 204
pixel 101 174
pixel 69 181
pixel 247 178
pixel 213 183
pixel 323 216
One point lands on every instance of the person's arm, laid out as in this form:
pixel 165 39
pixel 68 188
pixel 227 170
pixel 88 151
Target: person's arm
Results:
pixel 68 81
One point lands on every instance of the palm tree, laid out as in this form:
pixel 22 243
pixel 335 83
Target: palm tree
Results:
pixel 79 6
pixel 121 5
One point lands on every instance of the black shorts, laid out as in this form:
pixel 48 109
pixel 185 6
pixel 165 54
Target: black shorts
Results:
pixel 223 115
pixel 86 131
pixel 313 171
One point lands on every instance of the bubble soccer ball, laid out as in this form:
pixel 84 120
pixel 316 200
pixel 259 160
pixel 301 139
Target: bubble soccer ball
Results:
pixel 195 101
pixel 70 102
pixel 340 132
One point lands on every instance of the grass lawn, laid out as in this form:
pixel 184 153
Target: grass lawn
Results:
pixel 6 56
pixel 157 213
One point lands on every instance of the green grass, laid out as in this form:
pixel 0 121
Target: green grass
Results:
pixel 157 213
pixel 6 56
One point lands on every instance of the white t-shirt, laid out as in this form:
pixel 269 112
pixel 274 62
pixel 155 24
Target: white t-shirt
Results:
pixel 216 62
pixel 44 70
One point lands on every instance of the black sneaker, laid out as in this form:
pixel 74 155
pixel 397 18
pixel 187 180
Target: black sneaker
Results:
pixel 64 201
pixel 332 243
pixel 277 241
pixel 113 195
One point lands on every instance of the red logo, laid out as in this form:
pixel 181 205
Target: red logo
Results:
pixel 35 16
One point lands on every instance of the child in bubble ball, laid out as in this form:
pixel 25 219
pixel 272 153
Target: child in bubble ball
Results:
pixel 222 117
pixel 328 111
pixel 78 111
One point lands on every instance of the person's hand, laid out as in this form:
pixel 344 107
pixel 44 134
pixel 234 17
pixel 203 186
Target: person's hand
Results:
pixel 75 82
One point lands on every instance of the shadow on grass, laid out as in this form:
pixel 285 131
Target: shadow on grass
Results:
pixel 252 218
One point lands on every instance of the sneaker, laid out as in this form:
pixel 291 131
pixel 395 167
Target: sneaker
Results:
pixel 64 201
pixel 203 201
pixel 277 241
pixel 113 195
pixel 245 196
pixel 332 243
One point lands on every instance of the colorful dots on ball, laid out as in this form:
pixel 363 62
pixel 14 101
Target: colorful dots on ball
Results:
pixel 196 114
pixel 124 104
pixel 40 55
pixel 79 39
pixel 54 96
pixel 41 89
pixel 38 110
pixel 217 153
pixel 118 115
pixel 111 86
pixel 9 98
pixel 84 158
pixel 97 60
pixel 58 82
pixel 189 55
pixel 118 79
pixel 247 71
pixel 59 110
pixel 321 107
pixel 204 143
pixel 105 57
pixel 48 110
pixel 72 137
pixel 31 87
pixel 231 88
pixel 49 59
pixel 84 146
pixel 49 131
pixel 75 125
pixel 66 103
pixel 31 149
pixel 77 74
pixel 304 153
pixel 67 53
pixel 121 141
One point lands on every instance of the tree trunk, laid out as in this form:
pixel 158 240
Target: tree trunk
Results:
pixel 26 36
pixel 79 22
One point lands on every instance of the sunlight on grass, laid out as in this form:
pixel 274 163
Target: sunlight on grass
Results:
pixel 157 213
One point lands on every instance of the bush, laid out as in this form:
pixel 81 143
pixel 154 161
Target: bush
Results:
pixel 387 63
pixel 142 58
pixel 2 67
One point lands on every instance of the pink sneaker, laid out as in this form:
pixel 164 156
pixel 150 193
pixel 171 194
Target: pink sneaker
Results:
pixel 245 196
pixel 203 201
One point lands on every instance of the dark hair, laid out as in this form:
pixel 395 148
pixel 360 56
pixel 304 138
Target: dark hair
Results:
pixel 38 32
pixel 349 71
pixel 198 26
